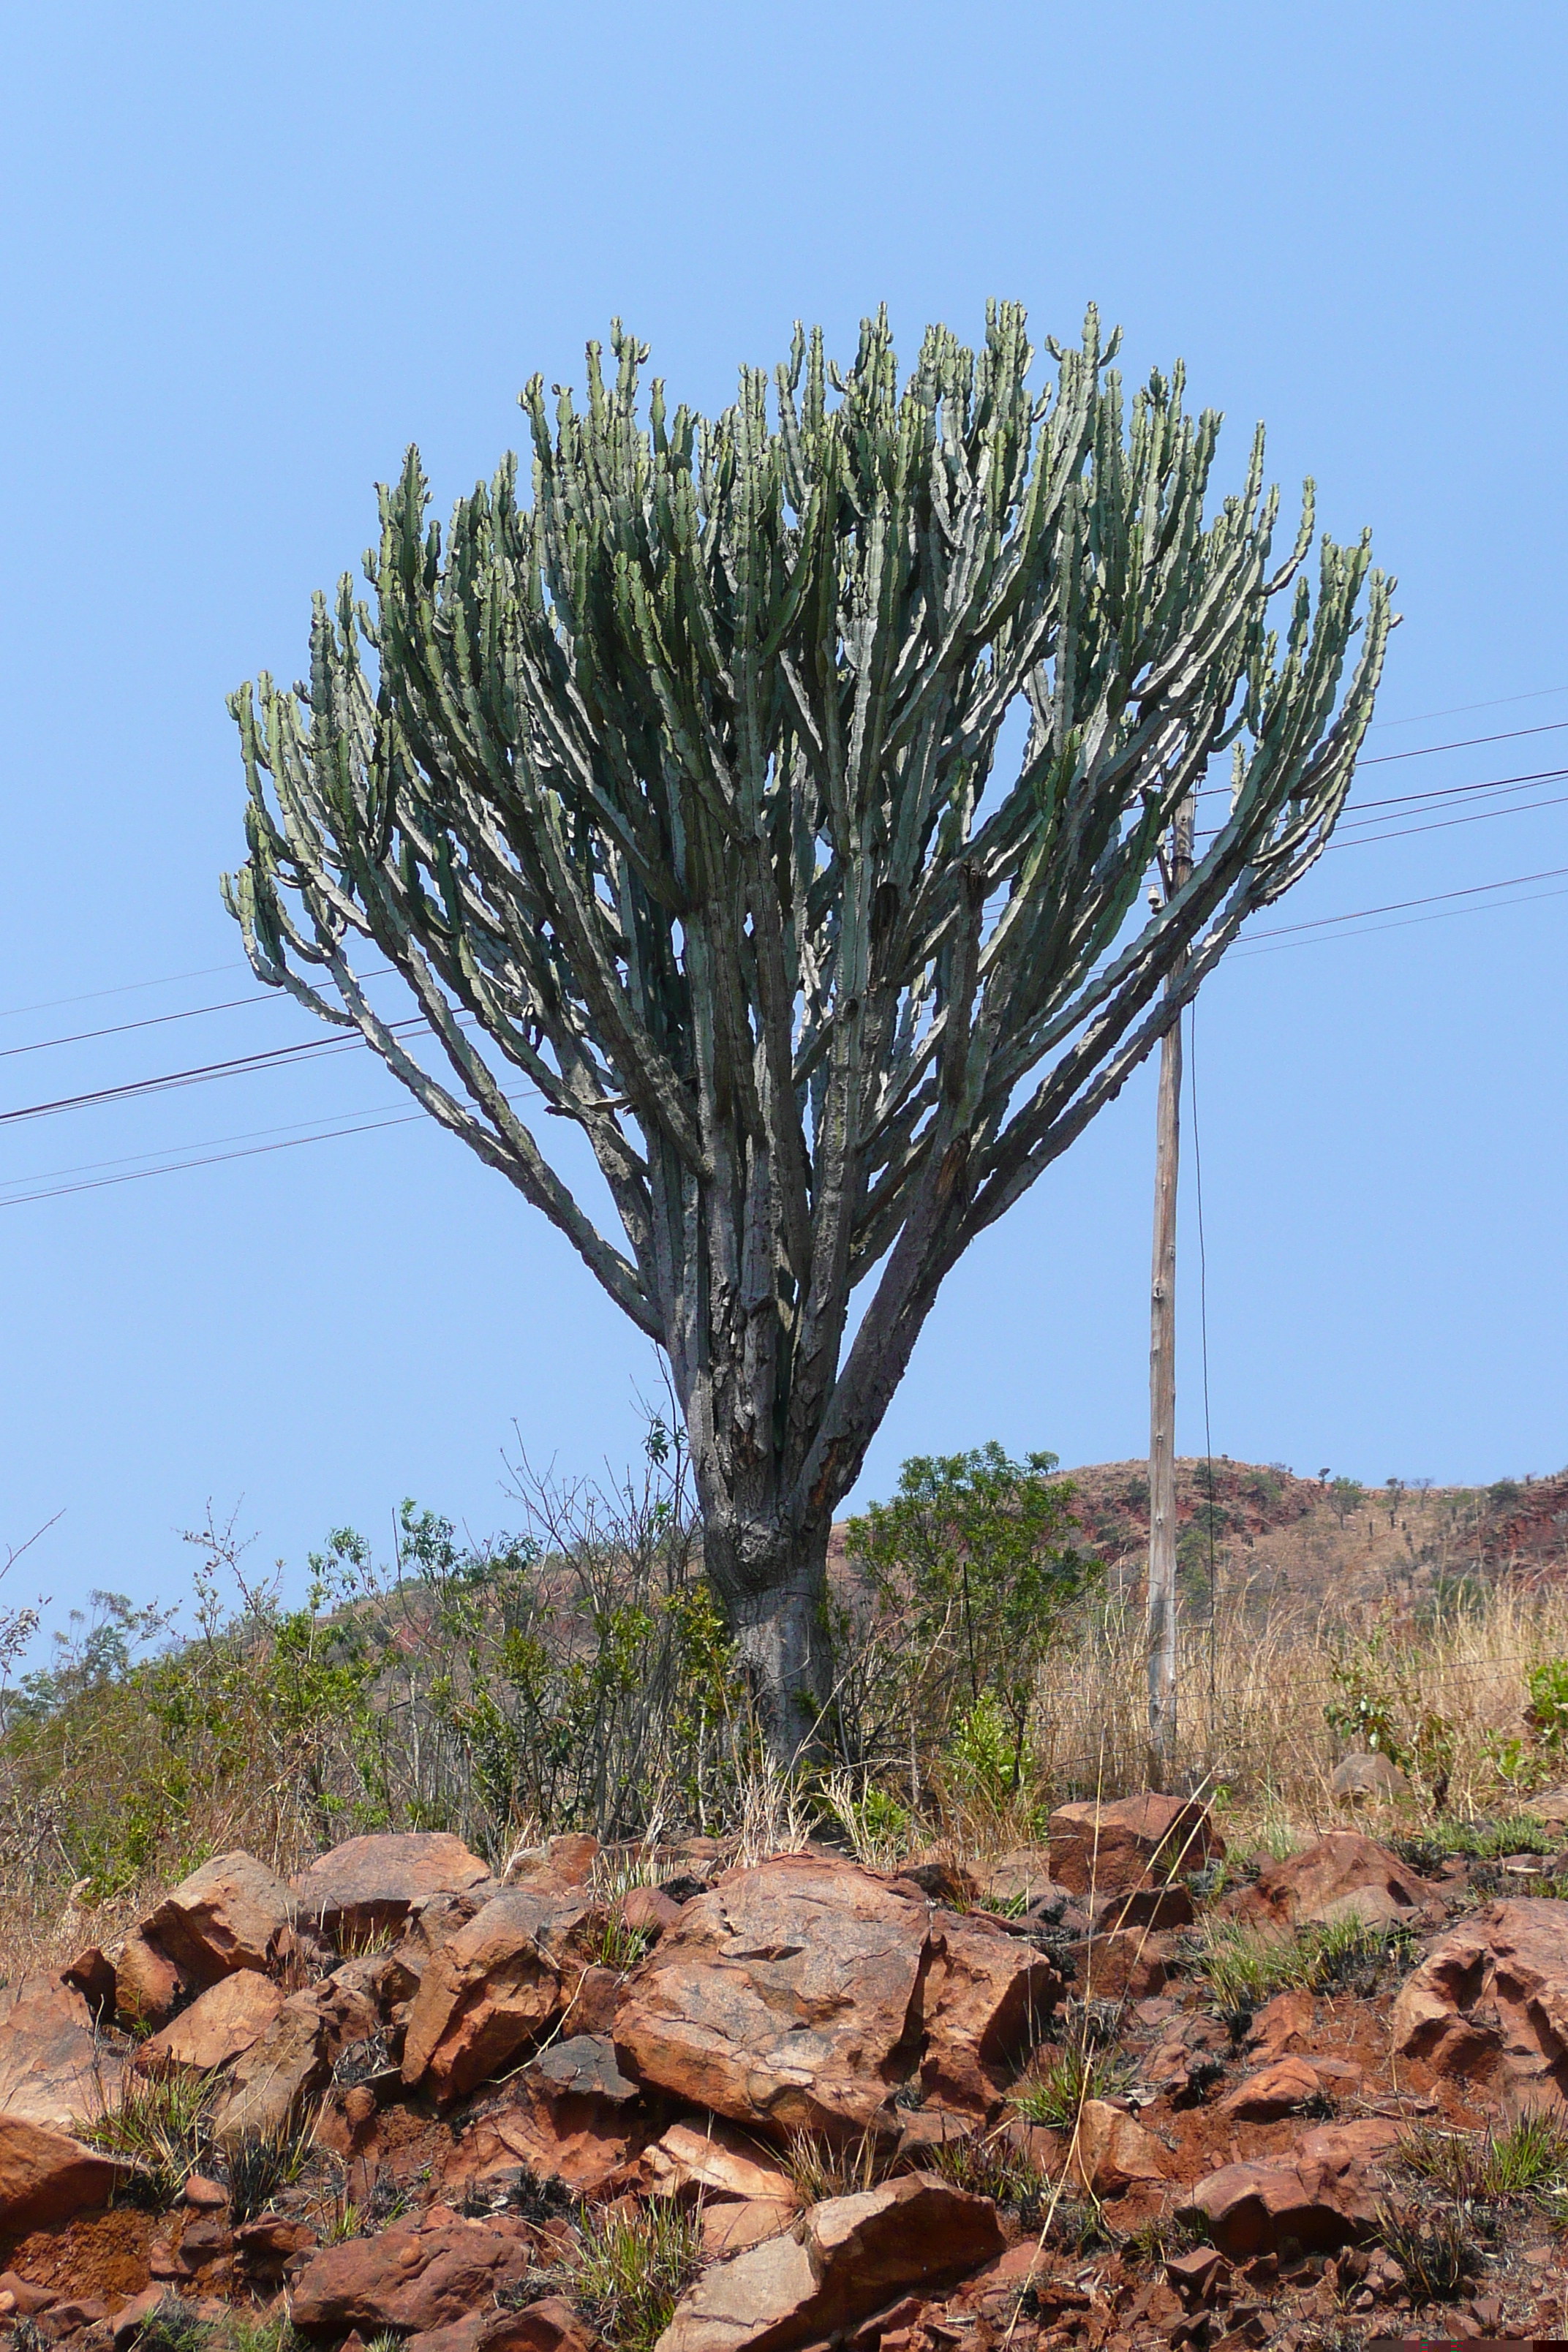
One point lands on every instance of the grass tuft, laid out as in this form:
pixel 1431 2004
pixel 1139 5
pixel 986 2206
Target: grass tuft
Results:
pixel 818 2168
pixel 171 2326
pixel 627 2270
pixel 159 2124
pixel 261 2164
pixel 1064 2079
pixel 1528 2159
pixel 1437 2254
pixel 986 2165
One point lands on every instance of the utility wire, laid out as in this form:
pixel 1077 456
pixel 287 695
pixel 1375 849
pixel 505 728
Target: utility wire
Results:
pixel 210 1159
pixel 1345 838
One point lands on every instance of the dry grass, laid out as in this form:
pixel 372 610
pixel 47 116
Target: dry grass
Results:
pixel 1253 1737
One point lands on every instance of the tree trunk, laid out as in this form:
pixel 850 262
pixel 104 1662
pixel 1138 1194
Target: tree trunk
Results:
pixel 772 1583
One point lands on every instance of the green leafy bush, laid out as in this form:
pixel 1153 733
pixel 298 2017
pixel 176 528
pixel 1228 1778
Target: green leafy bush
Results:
pixel 966 1576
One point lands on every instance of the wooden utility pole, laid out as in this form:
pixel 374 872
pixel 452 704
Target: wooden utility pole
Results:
pixel 1176 864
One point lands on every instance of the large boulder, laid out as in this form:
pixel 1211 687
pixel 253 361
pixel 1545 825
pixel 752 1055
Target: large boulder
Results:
pixel 984 1999
pixel 1324 2195
pixel 287 2064
pixel 495 1985
pixel 368 1883
pixel 849 2257
pixel 548 2326
pixel 46 2175
pixel 1344 1875
pixel 53 2070
pixel 148 1985
pixel 800 1994
pixel 1366 1777
pixel 233 1913
pixel 571 2114
pixel 411 2277
pixel 1128 1857
pixel 219 2026
pixel 1490 1999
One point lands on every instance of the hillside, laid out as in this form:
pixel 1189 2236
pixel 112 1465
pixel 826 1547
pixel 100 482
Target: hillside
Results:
pixel 1312 1541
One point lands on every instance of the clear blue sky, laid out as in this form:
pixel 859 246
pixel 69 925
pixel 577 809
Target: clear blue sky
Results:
pixel 253 252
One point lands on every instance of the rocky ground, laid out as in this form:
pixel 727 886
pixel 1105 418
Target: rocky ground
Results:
pixel 1119 2090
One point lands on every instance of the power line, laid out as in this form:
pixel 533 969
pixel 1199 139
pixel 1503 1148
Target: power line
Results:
pixel 1456 710
pixel 211 1160
pixel 1398 905
pixel 1466 743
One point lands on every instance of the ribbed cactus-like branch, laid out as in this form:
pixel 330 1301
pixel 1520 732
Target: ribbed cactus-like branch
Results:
pixel 676 795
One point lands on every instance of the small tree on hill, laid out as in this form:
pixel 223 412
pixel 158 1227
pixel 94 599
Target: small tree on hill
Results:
pixel 673 798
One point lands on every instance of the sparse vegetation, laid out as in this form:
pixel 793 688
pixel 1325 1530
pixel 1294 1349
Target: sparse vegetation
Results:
pixel 259 2164
pixel 627 2269
pixel 1435 2251
pixel 1064 2078
pixel 159 2125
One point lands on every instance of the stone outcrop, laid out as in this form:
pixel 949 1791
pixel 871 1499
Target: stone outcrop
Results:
pixel 53 2068
pixel 46 2175
pixel 847 2258
pixel 1490 1999
pixel 233 1913
pixel 219 2026
pixel 801 1994
pixel 1124 1862
pixel 369 1884
pixel 495 1985
pixel 412 2278
pixel 1326 2194
pixel 1344 1875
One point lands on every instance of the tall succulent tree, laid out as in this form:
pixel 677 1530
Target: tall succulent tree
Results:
pixel 674 798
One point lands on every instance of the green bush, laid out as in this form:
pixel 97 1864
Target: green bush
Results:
pixel 965 1577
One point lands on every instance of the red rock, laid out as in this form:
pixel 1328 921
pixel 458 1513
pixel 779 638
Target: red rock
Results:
pixel 1306 1886
pixel 27 2298
pixel 1276 2090
pixel 568 1860
pixel 847 2258
pixel 281 2070
pixel 409 2278
pixel 1019 1878
pixel 148 1986
pixel 93 1975
pixel 799 1995
pixel 67 2318
pixel 268 2241
pixel 46 2175
pixel 729 2225
pixel 203 2195
pixel 548 2326
pixel 1325 2196
pixel 219 2025
pixel 53 2068
pixel 1492 1997
pixel 1131 1965
pixel 1282 2024
pixel 715 2158
pixel 986 1997
pixel 570 2115
pixel 1111 2151
pixel 593 2003
pixel 1146 1840
pixel 495 1986
pixel 646 1910
pixel 369 1884
pixel 233 1913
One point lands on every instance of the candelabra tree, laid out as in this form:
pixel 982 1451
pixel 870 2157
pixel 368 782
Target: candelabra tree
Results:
pixel 674 796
